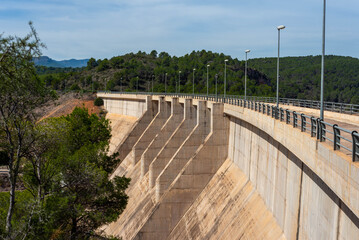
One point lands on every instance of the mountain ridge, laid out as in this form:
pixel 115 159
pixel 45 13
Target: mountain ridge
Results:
pixel 49 62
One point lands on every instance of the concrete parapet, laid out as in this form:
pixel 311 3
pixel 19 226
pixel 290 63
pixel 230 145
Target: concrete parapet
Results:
pixel 177 116
pixel 128 105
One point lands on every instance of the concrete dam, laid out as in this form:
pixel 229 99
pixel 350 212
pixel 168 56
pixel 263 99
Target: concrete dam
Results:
pixel 203 169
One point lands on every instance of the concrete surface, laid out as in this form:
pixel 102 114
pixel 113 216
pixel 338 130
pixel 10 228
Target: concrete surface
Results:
pixel 177 116
pixel 166 166
pixel 276 183
pixel 121 126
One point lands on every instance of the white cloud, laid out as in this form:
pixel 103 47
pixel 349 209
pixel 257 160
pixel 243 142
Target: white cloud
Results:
pixel 105 28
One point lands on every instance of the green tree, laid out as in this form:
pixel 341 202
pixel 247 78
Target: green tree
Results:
pixel 21 91
pixel 103 65
pixel 92 63
pixel 68 177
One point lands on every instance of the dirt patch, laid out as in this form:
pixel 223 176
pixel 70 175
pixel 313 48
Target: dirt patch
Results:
pixel 66 103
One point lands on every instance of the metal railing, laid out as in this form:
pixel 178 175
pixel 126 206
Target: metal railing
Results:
pixel 341 139
pixel 328 106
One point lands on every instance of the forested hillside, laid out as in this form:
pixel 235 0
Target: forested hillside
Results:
pixel 300 76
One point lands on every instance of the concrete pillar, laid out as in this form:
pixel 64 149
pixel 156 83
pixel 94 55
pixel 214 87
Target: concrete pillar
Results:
pixel 188 181
pixel 169 168
pixel 148 103
pixel 130 140
pixel 164 134
pixel 189 111
pixel 164 111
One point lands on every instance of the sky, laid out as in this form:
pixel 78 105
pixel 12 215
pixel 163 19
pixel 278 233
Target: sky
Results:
pixel 103 29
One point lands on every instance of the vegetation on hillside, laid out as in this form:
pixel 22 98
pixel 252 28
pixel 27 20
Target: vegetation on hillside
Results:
pixel 124 72
pixel 300 76
pixel 62 162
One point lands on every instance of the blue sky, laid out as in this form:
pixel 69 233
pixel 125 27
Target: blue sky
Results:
pixel 106 28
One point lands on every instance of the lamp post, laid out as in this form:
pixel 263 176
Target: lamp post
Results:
pixel 279 28
pixel 179 81
pixel 121 84
pixel 193 81
pixel 137 85
pixel 166 83
pixel 207 80
pixel 245 77
pixel 216 87
pixel 152 83
pixel 225 78
pixel 322 71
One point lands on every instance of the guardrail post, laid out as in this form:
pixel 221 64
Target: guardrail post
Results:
pixel 318 129
pixel 313 127
pixel 268 110
pixel 322 131
pixel 287 113
pixel 294 119
pixel 355 137
pixel 336 132
pixel 302 122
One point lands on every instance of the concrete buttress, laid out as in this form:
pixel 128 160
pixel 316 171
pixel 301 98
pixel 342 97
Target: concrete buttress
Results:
pixel 164 112
pixel 126 146
pixel 191 180
pixel 161 138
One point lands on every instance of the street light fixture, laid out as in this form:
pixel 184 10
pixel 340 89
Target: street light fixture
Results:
pixel 152 83
pixel 193 81
pixel 137 85
pixel 207 80
pixel 166 83
pixel 322 71
pixel 179 81
pixel 281 27
pixel 225 77
pixel 245 76
pixel 216 86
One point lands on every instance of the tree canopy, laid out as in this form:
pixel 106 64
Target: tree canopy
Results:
pixel 299 75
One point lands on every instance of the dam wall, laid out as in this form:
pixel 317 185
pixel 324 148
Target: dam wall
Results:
pixel 305 184
pixel 218 171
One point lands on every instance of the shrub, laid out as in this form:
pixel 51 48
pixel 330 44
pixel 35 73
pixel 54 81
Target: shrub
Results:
pixel 98 102
pixel 75 87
